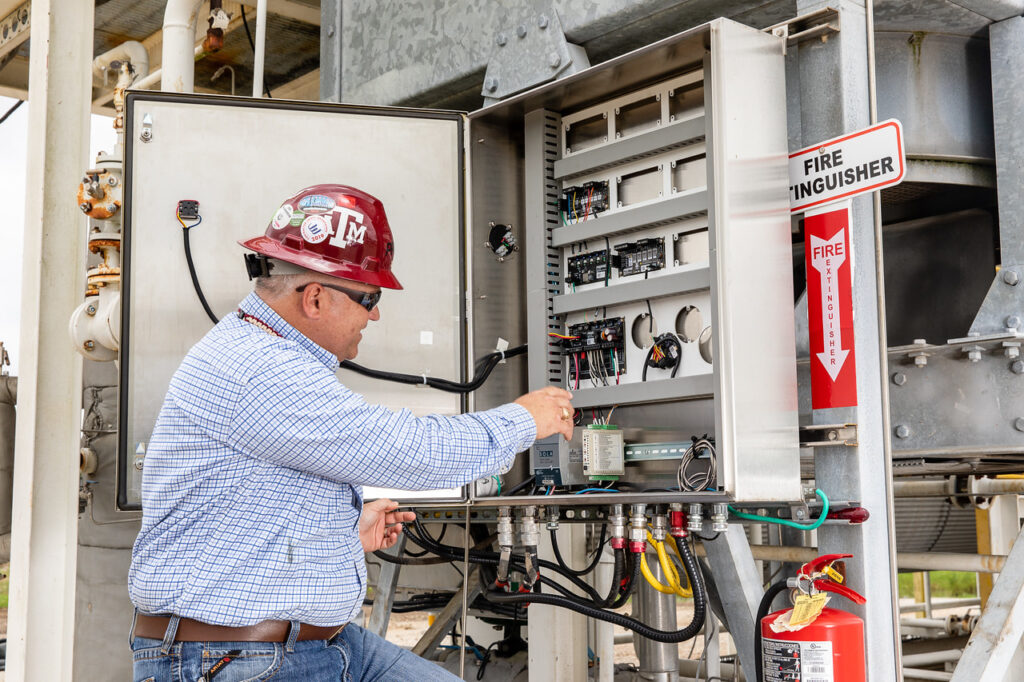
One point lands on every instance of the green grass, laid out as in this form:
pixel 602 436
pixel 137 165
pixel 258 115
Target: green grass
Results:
pixel 944 584
pixel 4 570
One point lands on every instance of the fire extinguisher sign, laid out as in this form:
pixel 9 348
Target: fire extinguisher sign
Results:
pixel 830 306
pixel 797 661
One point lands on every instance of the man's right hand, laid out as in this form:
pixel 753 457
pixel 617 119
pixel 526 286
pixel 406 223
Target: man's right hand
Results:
pixel 551 411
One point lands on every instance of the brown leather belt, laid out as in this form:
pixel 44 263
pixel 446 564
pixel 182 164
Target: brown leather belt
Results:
pixel 154 627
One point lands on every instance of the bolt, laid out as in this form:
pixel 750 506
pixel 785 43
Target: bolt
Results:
pixel 501 39
pixel 902 431
pixel 554 60
pixel 542 21
pixel 899 378
pixel 1011 277
pixel 921 361
pixel 330 31
pixel 1012 322
pixel 89 345
pixel 1017 367
pixel 974 354
pixel 112 181
pixel 85 206
pixel 832 434
pixel 91 310
pixel 521 30
pixel 138 464
pixel 1011 349
pixel 1018 424
pixel 491 84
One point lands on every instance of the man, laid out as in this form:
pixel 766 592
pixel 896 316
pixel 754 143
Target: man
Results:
pixel 249 563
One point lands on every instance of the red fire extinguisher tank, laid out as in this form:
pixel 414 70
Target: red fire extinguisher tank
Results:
pixel 831 649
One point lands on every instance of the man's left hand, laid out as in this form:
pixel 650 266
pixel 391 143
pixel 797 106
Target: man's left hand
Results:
pixel 380 525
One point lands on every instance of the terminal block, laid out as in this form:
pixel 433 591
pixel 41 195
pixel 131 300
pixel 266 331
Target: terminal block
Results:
pixel 645 255
pixel 585 201
pixel 588 268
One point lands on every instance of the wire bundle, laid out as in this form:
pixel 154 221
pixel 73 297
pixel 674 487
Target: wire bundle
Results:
pixel 694 481
pixel 481 371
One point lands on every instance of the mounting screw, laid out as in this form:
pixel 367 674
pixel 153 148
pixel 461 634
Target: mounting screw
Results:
pixel 521 30
pixel 1011 277
pixel 1017 367
pixel 902 431
pixel 501 39
pixel 330 31
pixel 84 206
pixel 974 354
pixel 491 84
pixel 554 60
pixel 899 378
pixel 138 464
pixel 1018 424
pixel 1012 322
pixel 542 21
pixel 112 181
pixel 89 345
pixel 91 309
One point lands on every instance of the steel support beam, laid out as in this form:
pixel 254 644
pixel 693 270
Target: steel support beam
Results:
pixel 835 99
pixel 739 588
pixel 384 593
pixel 45 516
pixel 330 50
pixel 996 639
pixel 449 615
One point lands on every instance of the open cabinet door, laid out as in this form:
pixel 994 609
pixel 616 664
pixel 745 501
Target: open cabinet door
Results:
pixel 240 158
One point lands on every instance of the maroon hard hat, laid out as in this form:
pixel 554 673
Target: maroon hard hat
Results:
pixel 338 230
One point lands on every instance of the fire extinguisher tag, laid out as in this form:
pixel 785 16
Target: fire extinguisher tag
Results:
pixel 806 608
pixel 834 574
pixel 798 661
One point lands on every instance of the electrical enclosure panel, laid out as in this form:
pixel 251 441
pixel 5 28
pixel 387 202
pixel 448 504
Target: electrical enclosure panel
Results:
pixel 239 158
pixel 653 189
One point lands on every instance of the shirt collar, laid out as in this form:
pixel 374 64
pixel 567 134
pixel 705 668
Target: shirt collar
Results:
pixel 258 308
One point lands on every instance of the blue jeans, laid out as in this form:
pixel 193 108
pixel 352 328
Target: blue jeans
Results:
pixel 351 656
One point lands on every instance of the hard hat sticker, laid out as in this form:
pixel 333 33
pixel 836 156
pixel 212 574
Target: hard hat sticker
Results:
pixel 297 218
pixel 315 229
pixel 316 203
pixel 281 218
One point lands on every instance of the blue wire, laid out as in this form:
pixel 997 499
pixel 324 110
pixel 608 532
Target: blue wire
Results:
pixel 595 490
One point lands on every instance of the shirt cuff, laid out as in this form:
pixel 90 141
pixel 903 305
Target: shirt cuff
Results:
pixel 524 429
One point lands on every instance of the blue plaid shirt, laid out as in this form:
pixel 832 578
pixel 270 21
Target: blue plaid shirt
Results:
pixel 252 487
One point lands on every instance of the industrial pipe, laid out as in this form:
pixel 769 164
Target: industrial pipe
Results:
pixel 909 561
pixel 261 48
pixel 179 34
pixel 947 487
pixel 131 51
pixel 8 400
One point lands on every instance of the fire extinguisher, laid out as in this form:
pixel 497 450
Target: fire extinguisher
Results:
pixel 824 644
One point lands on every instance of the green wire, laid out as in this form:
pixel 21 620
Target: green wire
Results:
pixel 787 522
pixel 498 481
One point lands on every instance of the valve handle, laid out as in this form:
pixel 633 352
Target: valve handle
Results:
pixel 815 565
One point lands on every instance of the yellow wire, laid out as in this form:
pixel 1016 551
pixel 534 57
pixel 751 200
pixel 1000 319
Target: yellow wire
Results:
pixel 675 548
pixel 183 225
pixel 670 571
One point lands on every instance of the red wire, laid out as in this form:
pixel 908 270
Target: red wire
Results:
pixel 576 360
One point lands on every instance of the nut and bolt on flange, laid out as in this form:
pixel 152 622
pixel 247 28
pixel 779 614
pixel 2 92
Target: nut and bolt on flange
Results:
pixel 1012 322
pixel 554 59
pixel 542 21
pixel 920 356
pixel 903 431
pixel 1018 423
pixel 521 31
pixel 899 378
pixel 491 84
pixel 1017 367
pixel 501 39
pixel 1011 277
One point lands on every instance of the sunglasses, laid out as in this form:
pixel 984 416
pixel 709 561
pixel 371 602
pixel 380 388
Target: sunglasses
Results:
pixel 368 300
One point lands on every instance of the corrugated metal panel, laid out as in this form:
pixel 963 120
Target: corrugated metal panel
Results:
pixel 933 524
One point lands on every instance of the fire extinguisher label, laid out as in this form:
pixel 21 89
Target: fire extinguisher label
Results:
pixel 797 661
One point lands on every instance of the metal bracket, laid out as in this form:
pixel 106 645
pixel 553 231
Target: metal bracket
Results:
pixel 529 51
pixel 820 23
pixel 14 28
pixel 824 435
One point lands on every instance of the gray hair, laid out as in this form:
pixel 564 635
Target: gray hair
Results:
pixel 279 285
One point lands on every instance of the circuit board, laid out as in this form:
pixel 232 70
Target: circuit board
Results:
pixel 601 342
pixel 587 268
pixel 584 201
pixel 646 255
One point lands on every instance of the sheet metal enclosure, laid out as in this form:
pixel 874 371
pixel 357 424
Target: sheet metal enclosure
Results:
pixel 459 301
pixel 411 160
pixel 746 398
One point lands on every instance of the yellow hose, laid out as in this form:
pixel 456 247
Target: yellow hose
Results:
pixel 646 570
pixel 670 569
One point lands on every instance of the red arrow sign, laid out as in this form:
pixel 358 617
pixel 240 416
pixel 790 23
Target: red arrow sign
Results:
pixel 830 308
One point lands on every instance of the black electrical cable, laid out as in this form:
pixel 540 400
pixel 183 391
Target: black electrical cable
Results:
pixel 593 563
pixel 688 632
pixel 762 610
pixel 416 555
pixel 420 536
pixel 252 44
pixel 519 486
pixel 192 273
pixel 484 366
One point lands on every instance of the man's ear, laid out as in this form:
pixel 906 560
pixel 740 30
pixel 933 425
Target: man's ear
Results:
pixel 312 301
